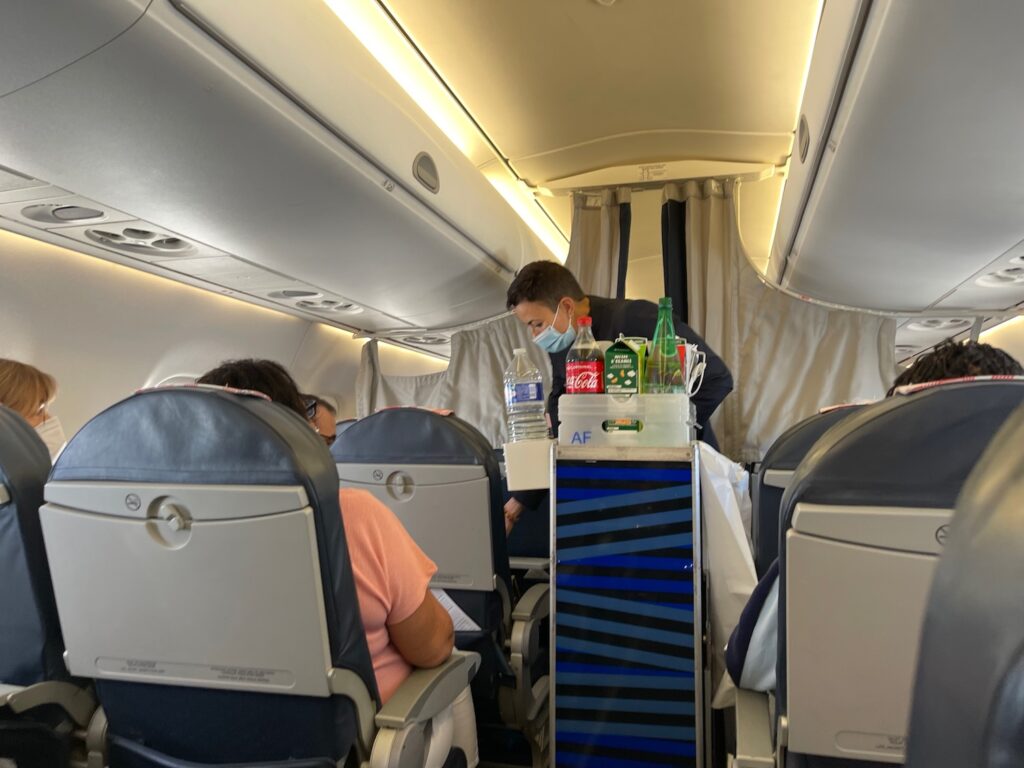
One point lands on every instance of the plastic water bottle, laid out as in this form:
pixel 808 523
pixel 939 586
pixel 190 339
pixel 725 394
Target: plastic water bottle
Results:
pixel 524 400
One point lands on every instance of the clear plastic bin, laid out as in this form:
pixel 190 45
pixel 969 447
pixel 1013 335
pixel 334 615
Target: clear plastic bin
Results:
pixel 656 421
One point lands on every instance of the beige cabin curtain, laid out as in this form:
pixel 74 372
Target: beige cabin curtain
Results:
pixel 599 245
pixel 788 357
pixel 471 386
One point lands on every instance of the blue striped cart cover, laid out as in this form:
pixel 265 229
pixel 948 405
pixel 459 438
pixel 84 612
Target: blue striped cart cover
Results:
pixel 625 692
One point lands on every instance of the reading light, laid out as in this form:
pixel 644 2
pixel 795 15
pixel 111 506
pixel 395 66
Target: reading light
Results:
pixel 378 33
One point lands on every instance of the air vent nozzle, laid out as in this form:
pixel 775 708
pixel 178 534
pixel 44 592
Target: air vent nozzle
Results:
pixel 330 306
pixel 50 213
pixel 295 293
pixel 144 242
pixel 1008 277
pixel 426 339
pixel 934 324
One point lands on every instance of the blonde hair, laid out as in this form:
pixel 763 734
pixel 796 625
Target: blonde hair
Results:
pixel 24 388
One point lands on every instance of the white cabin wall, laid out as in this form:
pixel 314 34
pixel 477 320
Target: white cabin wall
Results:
pixel 1008 336
pixel 758 211
pixel 104 330
pixel 645 278
pixel 327 362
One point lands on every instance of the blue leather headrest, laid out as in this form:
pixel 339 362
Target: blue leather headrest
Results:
pixel 792 445
pixel 209 436
pixel 30 639
pixel 907 451
pixel 413 435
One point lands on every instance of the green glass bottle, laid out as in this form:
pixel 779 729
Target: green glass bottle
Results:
pixel 664 376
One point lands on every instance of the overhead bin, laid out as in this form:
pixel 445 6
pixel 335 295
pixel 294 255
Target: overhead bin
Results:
pixel 42 36
pixel 179 125
pixel 904 189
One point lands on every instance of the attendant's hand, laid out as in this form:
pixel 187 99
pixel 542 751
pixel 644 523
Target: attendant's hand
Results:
pixel 513 509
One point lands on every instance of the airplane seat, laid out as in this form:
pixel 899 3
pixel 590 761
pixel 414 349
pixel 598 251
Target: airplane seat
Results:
pixel 777 468
pixel 863 522
pixel 968 706
pixel 442 478
pixel 202 578
pixel 40 705
pixel 344 424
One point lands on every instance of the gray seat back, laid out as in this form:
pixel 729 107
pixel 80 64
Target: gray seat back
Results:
pixel 439 475
pixel 968 707
pixel 864 519
pixel 202 577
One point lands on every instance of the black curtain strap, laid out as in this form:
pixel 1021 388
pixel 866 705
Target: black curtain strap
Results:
pixel 625 224
pixel 673 254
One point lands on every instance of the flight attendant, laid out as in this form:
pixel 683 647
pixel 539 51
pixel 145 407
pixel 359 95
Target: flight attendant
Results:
pixel 549 300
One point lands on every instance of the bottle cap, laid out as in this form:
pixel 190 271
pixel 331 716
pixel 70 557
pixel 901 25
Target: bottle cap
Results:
pixel 665 301
pixel 517 350
pixel 585 320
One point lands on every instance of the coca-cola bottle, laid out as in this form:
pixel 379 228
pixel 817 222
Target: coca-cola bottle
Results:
pixel 584 365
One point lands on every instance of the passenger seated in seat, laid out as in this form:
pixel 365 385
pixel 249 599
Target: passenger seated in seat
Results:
pixel 950 360
pixel 29 392
pixel 323 416
pixel 405 625
pixel 751 654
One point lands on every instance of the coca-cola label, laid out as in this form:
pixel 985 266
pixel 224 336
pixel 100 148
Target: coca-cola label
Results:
pixel 527 393
pixel 584 377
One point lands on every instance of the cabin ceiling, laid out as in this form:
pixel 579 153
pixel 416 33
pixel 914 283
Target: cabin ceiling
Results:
pixel 922 200
pixel 563 88
pixel 567 87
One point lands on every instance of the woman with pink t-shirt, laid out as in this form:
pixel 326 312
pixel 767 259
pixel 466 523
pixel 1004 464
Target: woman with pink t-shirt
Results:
pixel 405 625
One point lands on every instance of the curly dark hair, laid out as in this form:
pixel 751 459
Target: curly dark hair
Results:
pixel 545 282
pixel 264 376
pixel 951 360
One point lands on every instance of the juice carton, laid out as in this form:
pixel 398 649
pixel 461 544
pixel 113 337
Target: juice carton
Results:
pixel 624 366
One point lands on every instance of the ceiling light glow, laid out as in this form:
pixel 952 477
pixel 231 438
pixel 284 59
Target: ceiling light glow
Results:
pixel 367 20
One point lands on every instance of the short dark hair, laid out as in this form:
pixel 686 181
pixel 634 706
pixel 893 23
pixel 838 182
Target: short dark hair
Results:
pixel 545 282
pixel 264 376
pixel 951 360
pixel 326 405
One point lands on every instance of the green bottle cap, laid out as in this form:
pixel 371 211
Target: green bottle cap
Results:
pixel 665 302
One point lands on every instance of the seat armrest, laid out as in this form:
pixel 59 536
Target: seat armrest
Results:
pixel 428 691
pixel 523 704
pixel 78 703
pixel 534 604
pixel 96 740
pixel 753 731
pixel 529 563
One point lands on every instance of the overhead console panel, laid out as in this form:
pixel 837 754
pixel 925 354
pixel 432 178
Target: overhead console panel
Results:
pixel 905 190
pixel 197 125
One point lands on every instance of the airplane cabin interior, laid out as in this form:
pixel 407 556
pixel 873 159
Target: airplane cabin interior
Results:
pixel 570 383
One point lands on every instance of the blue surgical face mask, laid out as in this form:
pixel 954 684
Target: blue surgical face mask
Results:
pixel 551 341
